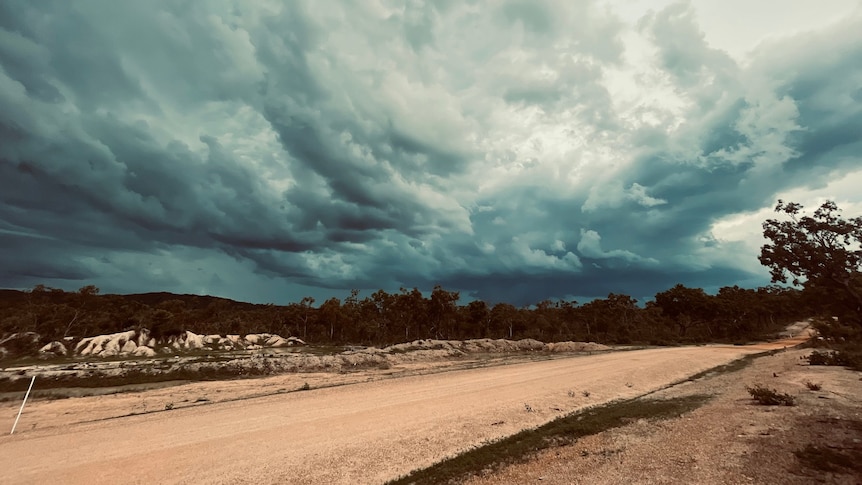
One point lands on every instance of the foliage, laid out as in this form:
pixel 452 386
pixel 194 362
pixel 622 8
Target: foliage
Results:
pixel 843 358
pixel 770 397
pixel 679 315
pixel 812 386
pixel 822 253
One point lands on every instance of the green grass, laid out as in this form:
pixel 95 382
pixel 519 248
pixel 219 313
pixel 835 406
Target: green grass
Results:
pixel 561 431
pixel 733 366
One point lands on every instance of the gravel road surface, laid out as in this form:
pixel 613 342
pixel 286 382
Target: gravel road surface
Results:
pixel 359 433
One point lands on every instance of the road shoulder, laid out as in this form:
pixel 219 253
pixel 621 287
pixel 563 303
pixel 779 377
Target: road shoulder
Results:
pixel 728 440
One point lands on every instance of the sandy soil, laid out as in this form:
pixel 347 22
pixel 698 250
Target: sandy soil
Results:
pixel 366 432
pixel 729 440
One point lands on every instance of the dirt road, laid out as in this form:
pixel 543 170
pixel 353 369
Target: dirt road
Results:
pixel 359 433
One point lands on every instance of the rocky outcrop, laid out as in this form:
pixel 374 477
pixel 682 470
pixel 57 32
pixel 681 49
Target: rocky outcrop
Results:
pixel 56 348
pixel 141 343
pixel 21 343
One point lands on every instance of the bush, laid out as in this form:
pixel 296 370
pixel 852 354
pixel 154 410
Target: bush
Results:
pixel 770 397
pixel 812 386
pixel 844 358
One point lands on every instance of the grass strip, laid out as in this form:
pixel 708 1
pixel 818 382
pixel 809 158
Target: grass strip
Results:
pixel 561 431
pixel 732 366
pixel 98 379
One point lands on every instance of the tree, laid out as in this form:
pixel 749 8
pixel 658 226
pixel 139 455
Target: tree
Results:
pixel 409 308
pixel 305 304
pixel 687 307
pixel 821 251
pixel 503 318
pixel 479 318
pixel 442 309
pixel 332 314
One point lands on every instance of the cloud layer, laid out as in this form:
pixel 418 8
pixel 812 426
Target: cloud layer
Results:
pixel 513 150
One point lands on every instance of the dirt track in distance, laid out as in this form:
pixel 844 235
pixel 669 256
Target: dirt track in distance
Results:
pixel 359 433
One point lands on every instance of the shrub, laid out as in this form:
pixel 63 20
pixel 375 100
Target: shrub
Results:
pixel 770 397
pixel 823 358
pixel 812 386
pixel 848 357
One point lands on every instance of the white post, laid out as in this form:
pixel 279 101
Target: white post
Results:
pixel 23 403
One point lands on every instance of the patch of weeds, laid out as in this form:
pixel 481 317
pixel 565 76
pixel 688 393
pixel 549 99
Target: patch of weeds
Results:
pixel 824 459
pixel 571 393
pixel 732 366
pixel 843 358
pixel 813 386
pixel 770 397
pixel 305 387
pixel 169 406
pixel 561 431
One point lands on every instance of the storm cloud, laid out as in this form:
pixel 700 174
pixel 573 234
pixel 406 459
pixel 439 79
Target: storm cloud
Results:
pixel 512 150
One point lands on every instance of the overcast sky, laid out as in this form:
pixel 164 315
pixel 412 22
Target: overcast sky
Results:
pixel 512 150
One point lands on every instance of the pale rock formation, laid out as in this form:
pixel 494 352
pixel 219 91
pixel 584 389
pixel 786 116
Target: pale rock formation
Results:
pixel 144 351
pixel 271 341
pixel 194 341
pixel 56 348
pixel 129 347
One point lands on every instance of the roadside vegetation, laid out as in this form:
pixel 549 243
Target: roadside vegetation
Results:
pixel 822 254
pixel 770 397
pixel 679 315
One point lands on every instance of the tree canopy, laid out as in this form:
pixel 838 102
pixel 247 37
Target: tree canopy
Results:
pixel 822 252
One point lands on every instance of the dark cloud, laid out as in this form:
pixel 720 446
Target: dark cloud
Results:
pixel 515 153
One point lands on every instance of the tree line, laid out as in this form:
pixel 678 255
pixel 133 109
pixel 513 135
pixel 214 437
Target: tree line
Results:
pixel 679 314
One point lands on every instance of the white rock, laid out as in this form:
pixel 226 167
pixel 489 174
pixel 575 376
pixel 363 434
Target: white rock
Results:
pixel 276 341
pixel 83 344
pixel 194 341
pixel 128 347
pixel 143 337
pixel 54 348
pixel 144 351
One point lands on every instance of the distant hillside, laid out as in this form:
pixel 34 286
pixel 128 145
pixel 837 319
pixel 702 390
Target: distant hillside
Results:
pixel 191 301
